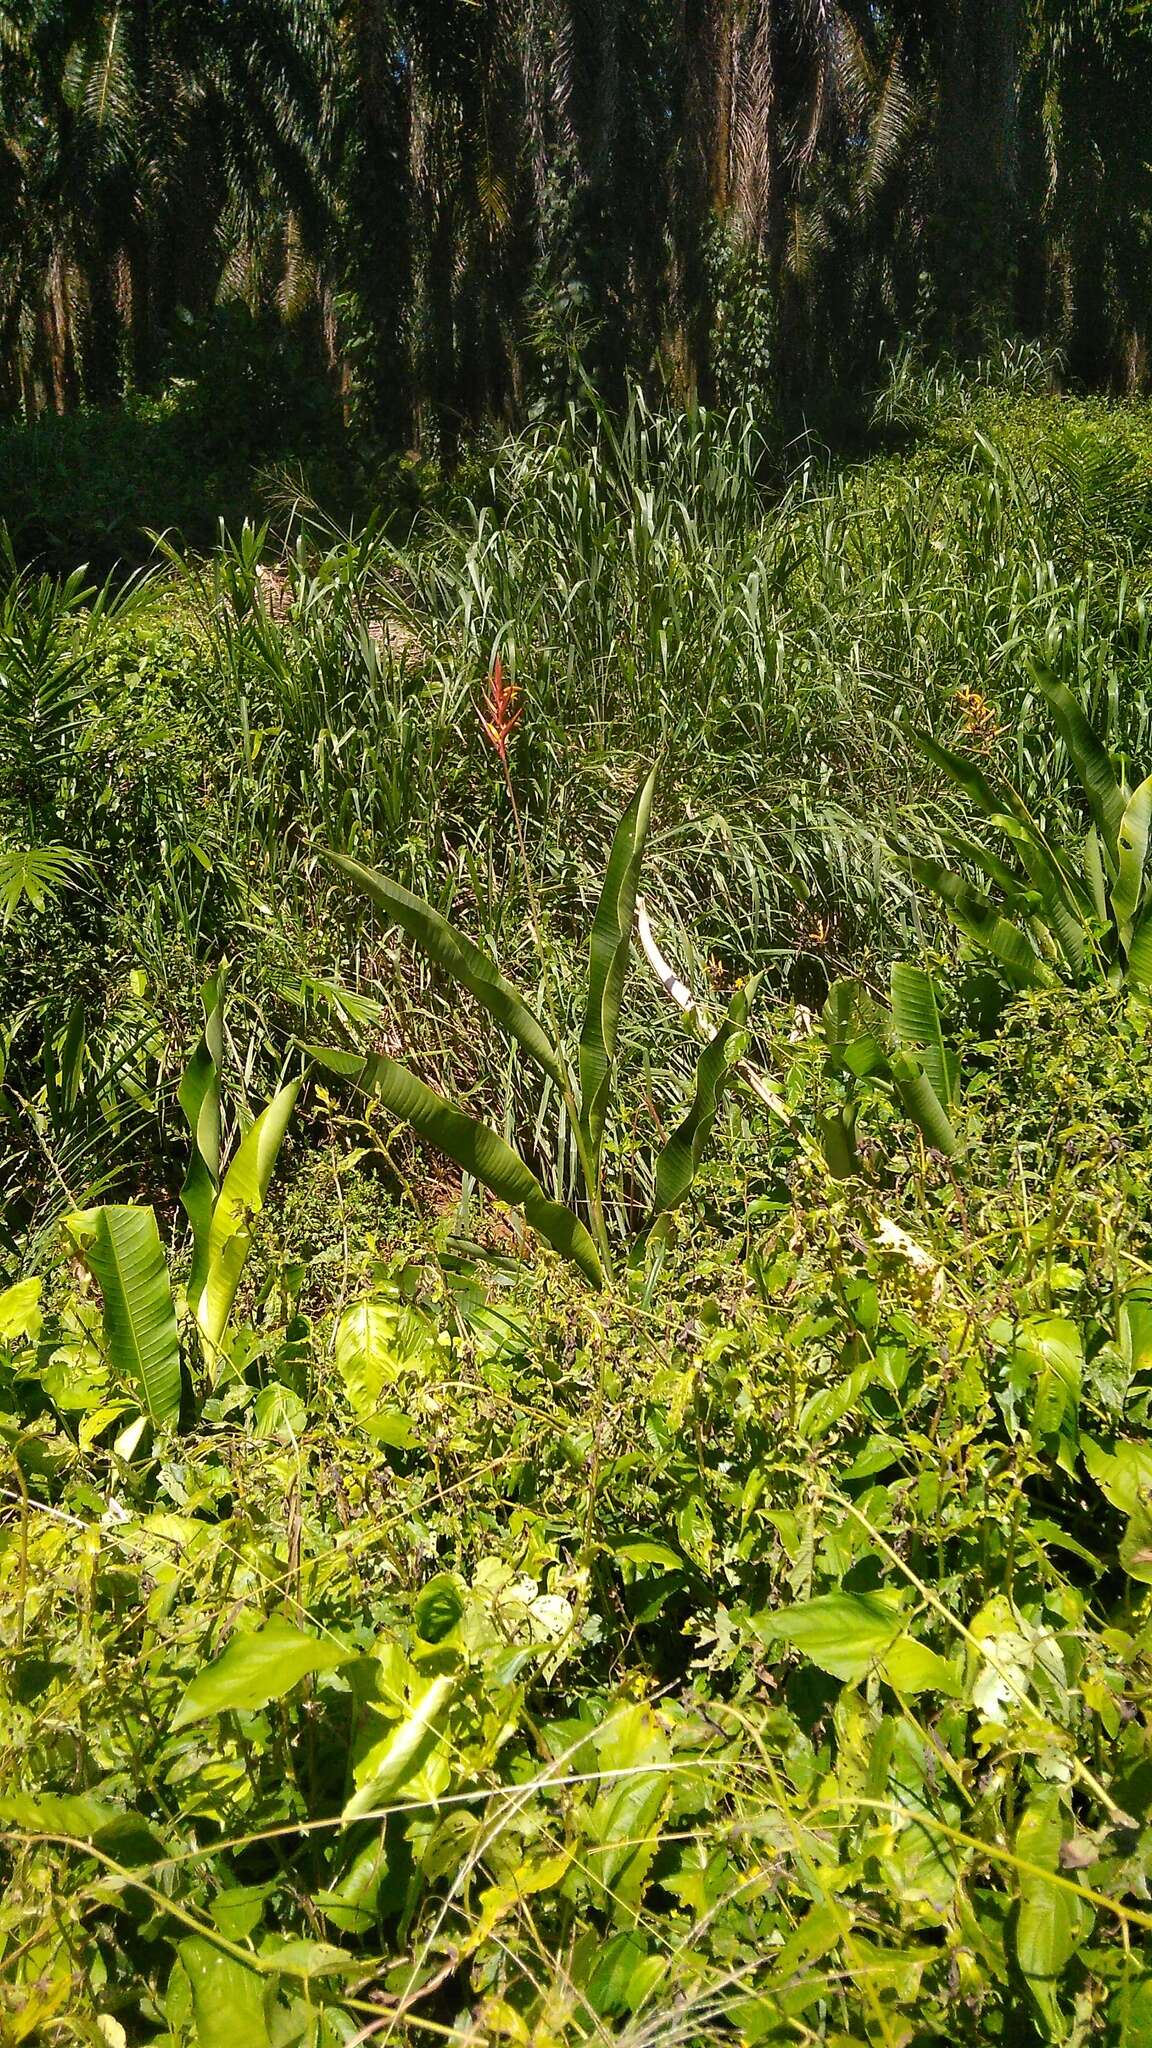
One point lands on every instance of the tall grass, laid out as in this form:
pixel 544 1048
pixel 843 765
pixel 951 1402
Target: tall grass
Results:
pixel 657 596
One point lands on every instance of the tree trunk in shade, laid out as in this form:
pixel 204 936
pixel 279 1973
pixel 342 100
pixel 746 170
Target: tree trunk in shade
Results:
pixel 974 225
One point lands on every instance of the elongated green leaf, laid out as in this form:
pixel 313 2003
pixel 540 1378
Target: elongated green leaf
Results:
pixel 1006 809
pixel 677 1163
pixel 846 1634
pixel 199 1098
pixel 923 1105
pixel 239 1202
pixel 474 1146
pixel 459 958
pixel 121 1245
pixel 1140 951
pixel 982 923
pixel 1062 898
pixel 1090 757
pixel 964 773
pixel 405 1751
pixel 1132 850
pixel 1052 1921
pixel 607 964
pixel 1013 886
pixel 1094 875
pixel 916 1016
pixel 255 1669
pixel 227 1997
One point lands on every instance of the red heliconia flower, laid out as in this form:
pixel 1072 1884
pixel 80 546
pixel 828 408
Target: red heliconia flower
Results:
pixel 502 711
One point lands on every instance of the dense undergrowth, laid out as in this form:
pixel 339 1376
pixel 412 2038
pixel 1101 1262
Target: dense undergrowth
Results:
pixel 406 1639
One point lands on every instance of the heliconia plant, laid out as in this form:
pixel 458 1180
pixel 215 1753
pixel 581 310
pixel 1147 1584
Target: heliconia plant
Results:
pixel 900 1047
pixel 1056 913
pixel 120 1242
pixel 585 1083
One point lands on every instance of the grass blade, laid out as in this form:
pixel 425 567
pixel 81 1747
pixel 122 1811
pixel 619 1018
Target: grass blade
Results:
pixel 608 963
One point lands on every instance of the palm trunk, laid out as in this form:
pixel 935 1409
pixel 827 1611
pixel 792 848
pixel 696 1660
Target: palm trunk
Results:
pixel 974 228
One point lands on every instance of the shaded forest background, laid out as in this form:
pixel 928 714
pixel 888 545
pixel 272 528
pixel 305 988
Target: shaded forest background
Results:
pixel 414 217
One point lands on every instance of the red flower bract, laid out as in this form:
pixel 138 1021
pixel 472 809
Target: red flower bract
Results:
pixel 502 711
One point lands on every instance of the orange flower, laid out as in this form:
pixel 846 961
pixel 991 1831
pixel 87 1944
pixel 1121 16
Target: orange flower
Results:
pixel 502 711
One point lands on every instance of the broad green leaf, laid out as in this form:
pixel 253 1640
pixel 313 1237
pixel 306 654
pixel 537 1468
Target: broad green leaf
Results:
pixel 854 1028
pixel 608 951
pixel 1140 951
pixel 376 1342
pixel 121 1246
pixel 52 1814
pixel 20 1314
pixel 634 1754
pixel 1052 1922
pixel 623 1973
pixel 1135 1546
pixel 255 1669
pixel 911 1667
pixel 1007 810
pixel 438 1607
pixel 1132 850
pixel 1091 761
pixel 1094 875
pixel 474 1146
pixel 1048 1350
pixel 459 958
pixel 227 1997
pixel 121 1832
pixel 845 1634
pixel 837 1133
pixel 396 1762
pixel 1136 1328
pixel 1123 1474
pixel 1060 898
pixel 680 1157
pixel 923 1105
pixel 980 921
pixel 239 1202
pixel 916 1016
pixel 199 1098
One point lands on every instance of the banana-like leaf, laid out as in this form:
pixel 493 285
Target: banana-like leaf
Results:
pixel 1132 850
pixel 1006 809
pixel 199 1098
pixel 1012 885
pixel 1060 898
pixel 916 1017
pixel 982 923
pixel 607 965
pixel 855 1030
pixel 923 1105
pixel 1140 952
pixel 473 1145
pixel 1105 797
pixel 964 773
pixel 459 958
pixel 1094 875
pixel 239 1202
pixel 680 1157
pixel 837 1132
pixel 121 1247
